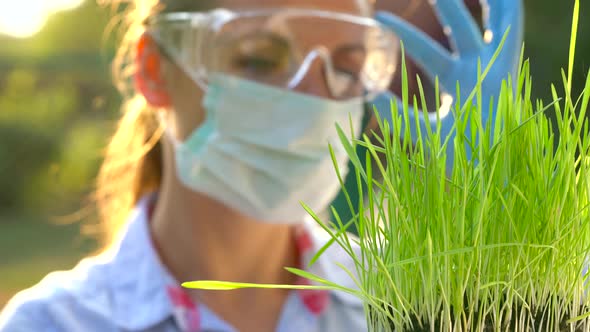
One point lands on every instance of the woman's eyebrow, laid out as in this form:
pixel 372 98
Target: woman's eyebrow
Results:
pixel 351 47
pixel 188 5
pixel 271 36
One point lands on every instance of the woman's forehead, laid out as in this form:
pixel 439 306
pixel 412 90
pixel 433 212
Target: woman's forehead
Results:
pixel 345 6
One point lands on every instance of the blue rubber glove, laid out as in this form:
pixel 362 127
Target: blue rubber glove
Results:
pixel 468 46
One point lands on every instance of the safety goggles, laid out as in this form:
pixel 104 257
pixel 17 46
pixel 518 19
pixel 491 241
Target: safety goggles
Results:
pixel 280 46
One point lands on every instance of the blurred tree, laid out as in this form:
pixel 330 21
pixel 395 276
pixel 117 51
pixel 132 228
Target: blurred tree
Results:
pixel 77 31
pixel 57 106
pixel 44 133
pixel 547 31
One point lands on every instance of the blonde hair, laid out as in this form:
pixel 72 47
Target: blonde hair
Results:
pixel 132 164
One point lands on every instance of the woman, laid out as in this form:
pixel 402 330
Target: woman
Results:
pixel 242 102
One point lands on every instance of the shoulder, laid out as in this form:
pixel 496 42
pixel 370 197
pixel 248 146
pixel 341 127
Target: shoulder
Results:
pixel 61 301
pixel 123 288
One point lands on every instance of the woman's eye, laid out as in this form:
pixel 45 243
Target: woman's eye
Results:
pixel 256 64
pixel 259 54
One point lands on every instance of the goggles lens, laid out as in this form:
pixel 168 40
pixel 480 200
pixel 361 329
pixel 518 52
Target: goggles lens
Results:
pixel 278 47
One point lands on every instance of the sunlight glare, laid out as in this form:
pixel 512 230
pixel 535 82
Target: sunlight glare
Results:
pixel 24 18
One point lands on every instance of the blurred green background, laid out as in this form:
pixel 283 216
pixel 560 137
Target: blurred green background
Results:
pixel 58 107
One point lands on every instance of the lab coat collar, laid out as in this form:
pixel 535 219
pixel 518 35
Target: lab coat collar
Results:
pixel 138 278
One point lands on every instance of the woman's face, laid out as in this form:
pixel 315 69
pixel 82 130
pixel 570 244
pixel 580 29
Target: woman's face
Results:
pixel 186 96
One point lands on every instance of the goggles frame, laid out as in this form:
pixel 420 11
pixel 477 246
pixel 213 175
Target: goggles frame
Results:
pixel 169 30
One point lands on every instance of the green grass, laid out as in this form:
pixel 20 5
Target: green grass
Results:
pixel 29 249
pixel 498 241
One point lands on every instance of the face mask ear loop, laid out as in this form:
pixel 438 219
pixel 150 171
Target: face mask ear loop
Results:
pixel 318 52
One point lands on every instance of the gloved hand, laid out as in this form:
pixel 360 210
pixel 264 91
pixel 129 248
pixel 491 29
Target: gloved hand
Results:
pixel 460 66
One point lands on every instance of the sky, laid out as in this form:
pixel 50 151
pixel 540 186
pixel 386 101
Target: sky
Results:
pixel 24 18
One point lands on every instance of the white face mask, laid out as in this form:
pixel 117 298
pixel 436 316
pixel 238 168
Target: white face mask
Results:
pixel 264 150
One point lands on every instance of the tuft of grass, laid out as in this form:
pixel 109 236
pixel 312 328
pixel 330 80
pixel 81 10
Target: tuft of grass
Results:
pixel 498 241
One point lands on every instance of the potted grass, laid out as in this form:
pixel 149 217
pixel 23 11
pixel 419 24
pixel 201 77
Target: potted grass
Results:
pixel 499 242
